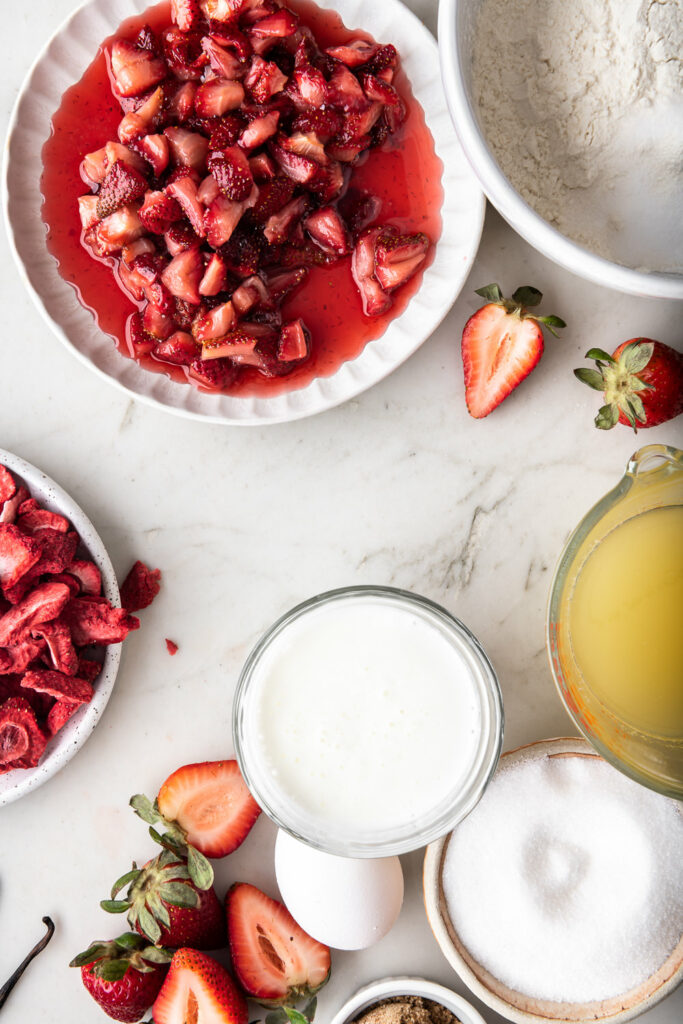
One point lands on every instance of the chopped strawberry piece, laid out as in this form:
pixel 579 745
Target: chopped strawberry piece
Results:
pixel 260 130
pixel 225 131
pixel 180 348
pixel 183 274
pixel 272 196
pixel 120 228
pixel 226 65
pixel 295 340
pixel 180 237
pixel 274 959
pixel 156 150
pixel 94 166
pixel 304 144
pixel 237 343
pixel 44 603
pixel 122 184
pixel 279 225
pixel 184 54
pixel 326 227
pixel 308 89
pixel 32 518
pixel 359 209
pixel 323 123
pixel 187 148
pixel 186 14
pixel 222 10
pixel 214 324
pixel 156 323
pixel 398 257
pixel 230 168
pixel 378 90
pixel 20 735
pixel 159 211
pixel 217 97
pixel 386 57
pixel 181 103
pixel 134 70
pixel 215 276
pixel 279 25
pixel 262 167
pixel 212 374
pixel 252 293
pixel 375 300
pixel 18 554
pixel 285 281
pixel 124 154
pixel 59 714
pixel 184 191
pixel 171 646
pixel 87 574
pixel 87 211
pixel 343 90
pixel 8 488
pixel 58 685
pixel 354 53
pixel 300 169
pixel 264 79
pixel 221 219
pixel 140 587
pixel 140 247
pixel 208 190
pixel 137 337
pixel 143 119
pixel 93 621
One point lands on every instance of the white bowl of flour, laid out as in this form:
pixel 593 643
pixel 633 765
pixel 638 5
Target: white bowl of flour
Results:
pixel 571 115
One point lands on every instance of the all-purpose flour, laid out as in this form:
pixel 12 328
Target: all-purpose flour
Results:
pixel 582 105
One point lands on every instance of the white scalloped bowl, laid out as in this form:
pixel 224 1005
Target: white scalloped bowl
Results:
pixel 64 60
pixel 73 735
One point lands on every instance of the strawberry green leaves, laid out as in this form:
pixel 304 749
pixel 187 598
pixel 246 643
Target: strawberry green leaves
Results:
pixel 174 840
pixel 289 1015
pixel 113 958
pixel 523 299
pixel 619 381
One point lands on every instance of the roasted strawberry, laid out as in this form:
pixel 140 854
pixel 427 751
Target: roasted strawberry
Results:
pixel 122 184
pixel 501 344
pixel 123 975
pixel 198 988
pixel 163 903
pixel 230 168
pixel 642 383
pixel 274 959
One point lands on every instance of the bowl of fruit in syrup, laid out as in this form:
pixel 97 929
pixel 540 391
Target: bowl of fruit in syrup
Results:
pixel 244 195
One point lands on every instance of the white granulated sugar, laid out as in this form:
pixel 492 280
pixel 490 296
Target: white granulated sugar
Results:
pixel 581 102
pixel 566 881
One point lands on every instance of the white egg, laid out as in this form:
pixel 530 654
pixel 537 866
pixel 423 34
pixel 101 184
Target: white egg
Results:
pixel 343 902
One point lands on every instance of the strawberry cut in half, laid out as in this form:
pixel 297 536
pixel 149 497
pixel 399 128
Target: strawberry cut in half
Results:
pixel 198 989
pixel 275 961
pixel 642 382
pixel 123 975
pixel 211 804
pixel 501 344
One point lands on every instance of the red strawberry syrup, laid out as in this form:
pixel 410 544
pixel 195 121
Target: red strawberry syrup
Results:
pixel 405 174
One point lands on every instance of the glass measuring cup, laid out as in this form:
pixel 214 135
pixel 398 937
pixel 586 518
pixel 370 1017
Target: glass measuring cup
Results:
pixel 646 744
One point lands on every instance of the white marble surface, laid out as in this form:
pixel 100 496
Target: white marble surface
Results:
pixel 398 487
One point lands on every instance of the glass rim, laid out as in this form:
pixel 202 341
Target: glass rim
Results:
pixel 488 750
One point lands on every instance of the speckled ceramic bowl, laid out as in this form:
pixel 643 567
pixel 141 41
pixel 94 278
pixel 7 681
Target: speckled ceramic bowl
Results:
pixel 376 992
pixel 515 1005
pixel 73 735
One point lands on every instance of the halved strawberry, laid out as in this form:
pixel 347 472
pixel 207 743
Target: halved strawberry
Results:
pixel 275 961
pixel 501 344
pixel 230 168
pixel 211 804
pixel 122 184
pixel 197 988
pixel 8 487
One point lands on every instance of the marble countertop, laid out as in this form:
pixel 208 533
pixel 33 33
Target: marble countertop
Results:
pixel 399 487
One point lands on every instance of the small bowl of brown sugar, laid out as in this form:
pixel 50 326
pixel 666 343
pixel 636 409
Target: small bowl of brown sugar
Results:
pixel 407 1001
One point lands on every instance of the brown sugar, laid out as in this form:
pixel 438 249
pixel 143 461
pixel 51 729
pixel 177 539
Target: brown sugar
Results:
pixel 407 1010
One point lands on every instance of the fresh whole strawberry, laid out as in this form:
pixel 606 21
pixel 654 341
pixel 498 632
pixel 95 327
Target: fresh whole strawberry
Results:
pixel 501 344
pixel 123 975
pixel 642 382
pixel 198 989
pixel 164 904
pixel 275 961
pixel 208 803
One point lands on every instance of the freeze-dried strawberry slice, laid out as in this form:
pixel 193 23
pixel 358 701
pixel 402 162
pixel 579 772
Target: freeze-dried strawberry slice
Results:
pixel 57 550
pixel 20 735
pixel 59 714
pixel 93 621
pixel 88 669
pixel 8 512
pixel 140 587
pixel 122 184
pixel 61 649
pixel 230 168
pixel 43 604
pixel 58 685
pixel 158 212
pixel 398 257
pixel 10 685
pixel 18 554
pixel 19 657
pixel 186 14
pixel 32 518
pixel 135 70
pixel 7 484
pixel 171 646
